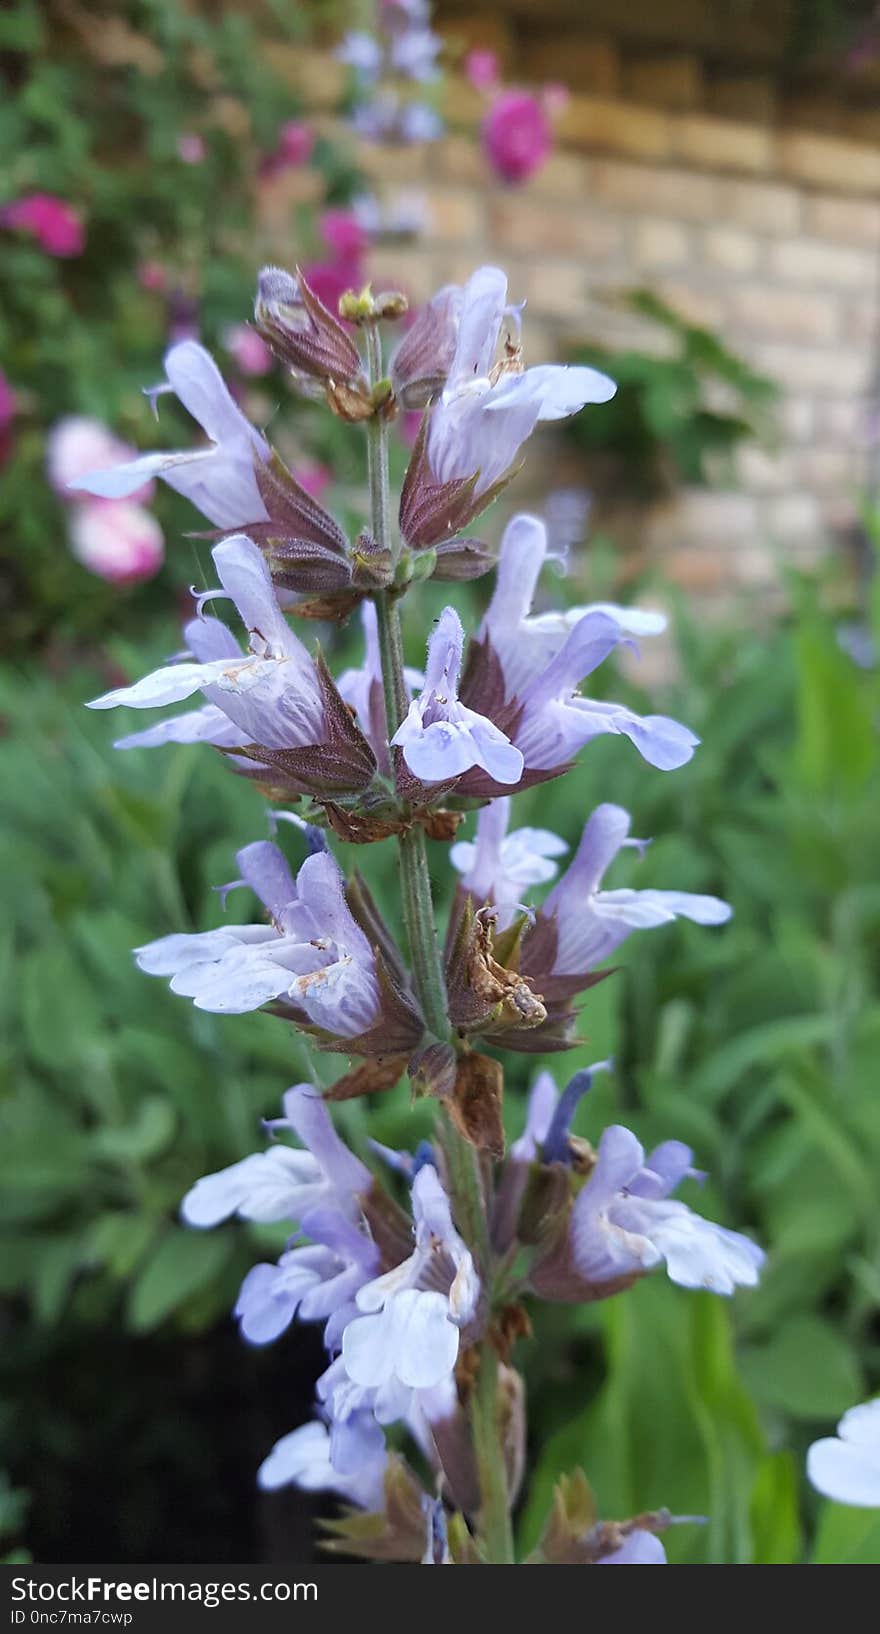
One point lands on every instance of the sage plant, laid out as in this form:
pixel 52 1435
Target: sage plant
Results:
pixel 419 1265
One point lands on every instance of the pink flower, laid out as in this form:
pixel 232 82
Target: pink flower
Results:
pixel 481 69
pixel 516 135
pixel 7 402
pixel 7 415
pixel 296 142
pixel 344 234
pixel 555 98
pixel 56 225
pixel 191 148
pixel 250 352
pixel 153 276
pixel 314 477
pixel 116 540
pixel 77 445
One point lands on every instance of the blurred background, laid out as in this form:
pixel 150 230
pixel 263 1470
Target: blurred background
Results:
pixel 686 193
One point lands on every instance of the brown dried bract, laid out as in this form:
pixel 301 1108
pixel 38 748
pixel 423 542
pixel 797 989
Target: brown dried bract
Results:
pixel 377 1073
pixel 475 1106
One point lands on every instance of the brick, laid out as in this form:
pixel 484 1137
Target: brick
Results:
pixel 454 214
pixel 458 159
pixel 763 206
pixel 317 76
pixel 467 33
pixel 381 161
pixel 669 81
pixel 812 369
pixel 760 471
pixel 705 307
pixel 827 161
pixel 586 65
pixel 694 569
pixel 463 106
pixel 841 421
pixel 829 467
pixel 650 188
pixel 708 516
pixel 565 176
pixel 861 319
pixel 519 224
pixel 812 261
pixel 399 267
pixel 754 565
pixel 730 249
pixel 750 97
pixel 788 314
pixel 553 289
pixel 853 221
pixel 658 243
pixel 791 516
pixel 797 419
pixel 722 144
pixel 622 127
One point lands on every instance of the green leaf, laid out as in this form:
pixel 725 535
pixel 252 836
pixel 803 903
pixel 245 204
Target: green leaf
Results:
pixel 182 1265
pixel 807 1369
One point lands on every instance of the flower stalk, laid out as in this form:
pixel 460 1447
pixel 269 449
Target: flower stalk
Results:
pixel 424 953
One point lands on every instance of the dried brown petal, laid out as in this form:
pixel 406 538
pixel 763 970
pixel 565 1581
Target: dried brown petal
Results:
pixel 397 1533
pixel 378 1073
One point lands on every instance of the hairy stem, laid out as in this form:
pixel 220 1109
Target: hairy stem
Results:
pixel 424 952
pixel 487 1432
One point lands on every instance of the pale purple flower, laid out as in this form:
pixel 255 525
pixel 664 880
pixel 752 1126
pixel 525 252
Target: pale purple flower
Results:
pixel 498 866
pixel 624 1224
pixel 219 480
pixel 191 148
pixel 637 1549
pixel 56 225
pixel 413 54
pixel 313 954
pixel 285 1182
pixel 591 923
pixel 269 695
pixel 545 657
pixel 362 687
pixel 313 1282
pixel 846 1467
pixel 409 1336
pixel 440 737
pixel 419 122
pixel 304 1458
pixel 363 53
pixel 487 410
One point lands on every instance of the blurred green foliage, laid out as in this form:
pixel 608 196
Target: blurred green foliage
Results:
pixel 93 102
pixel 757 1044
pixel 681 410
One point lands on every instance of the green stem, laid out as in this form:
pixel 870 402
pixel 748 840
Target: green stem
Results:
pixel 418 914
pixel 487 1431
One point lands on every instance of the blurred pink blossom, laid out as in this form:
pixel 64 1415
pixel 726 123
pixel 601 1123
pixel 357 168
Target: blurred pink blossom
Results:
pixel 78 444
pixel 55 224
pixel 250 352
pixel 344 233
pixel 555 98
pixel 7 415
pixel 116 539
pixel 481 69
pixel 314 477
pixel 153 276
pixel 296 142
pixel 331 279
pixel 191 148
pixel 516 135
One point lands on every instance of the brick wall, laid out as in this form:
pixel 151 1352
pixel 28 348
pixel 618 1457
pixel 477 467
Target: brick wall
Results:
pixel 768 234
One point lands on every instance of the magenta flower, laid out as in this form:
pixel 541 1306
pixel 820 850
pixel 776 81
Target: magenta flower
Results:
pixel 297 142
pixel 55 224
pixel 191 148
pixel 481 70
pixel 76 445
pixel 517 138
pixel 343 232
